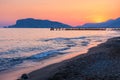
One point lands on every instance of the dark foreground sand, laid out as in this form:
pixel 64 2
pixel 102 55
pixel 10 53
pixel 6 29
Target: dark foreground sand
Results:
pixel 100 63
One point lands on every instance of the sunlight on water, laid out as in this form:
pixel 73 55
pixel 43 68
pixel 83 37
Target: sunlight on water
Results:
pixel 20 45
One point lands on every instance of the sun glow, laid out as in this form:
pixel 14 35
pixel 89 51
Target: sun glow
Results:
pixel 99 19
pixel 72 12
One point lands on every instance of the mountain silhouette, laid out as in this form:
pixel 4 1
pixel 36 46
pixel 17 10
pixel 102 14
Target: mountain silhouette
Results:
pixel 108 24
pixel 37 23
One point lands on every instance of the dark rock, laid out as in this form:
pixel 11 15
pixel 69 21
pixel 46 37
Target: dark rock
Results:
pixel 24 76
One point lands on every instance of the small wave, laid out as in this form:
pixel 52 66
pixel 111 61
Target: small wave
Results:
pixel 84 43
pixel 6 63
pixel 62 39
pixel 48 54
pixel 49 48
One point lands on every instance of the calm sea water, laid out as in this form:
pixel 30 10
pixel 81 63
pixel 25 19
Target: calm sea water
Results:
pixel 34 45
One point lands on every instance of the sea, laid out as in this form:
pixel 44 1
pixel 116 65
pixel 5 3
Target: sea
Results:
pixel 31 45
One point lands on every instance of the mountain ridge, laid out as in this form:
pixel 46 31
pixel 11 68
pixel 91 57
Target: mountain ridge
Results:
pixel 39 23
pixel 112 23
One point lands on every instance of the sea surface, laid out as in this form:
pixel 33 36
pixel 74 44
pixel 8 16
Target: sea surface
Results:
pixel 21 46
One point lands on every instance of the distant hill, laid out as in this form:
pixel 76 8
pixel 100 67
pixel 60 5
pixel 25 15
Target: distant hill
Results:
pixel 37 23
pixel 108 24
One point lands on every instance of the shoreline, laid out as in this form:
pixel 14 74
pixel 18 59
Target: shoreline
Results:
pixel 89 66
pixel 16 73
pixel 101 63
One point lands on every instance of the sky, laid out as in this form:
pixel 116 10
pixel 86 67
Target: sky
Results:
pixel 72 12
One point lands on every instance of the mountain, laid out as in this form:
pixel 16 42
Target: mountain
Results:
pixel 37 23
pixel 108 24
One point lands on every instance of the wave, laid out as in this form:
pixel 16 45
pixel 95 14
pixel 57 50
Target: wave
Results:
pixel 45 48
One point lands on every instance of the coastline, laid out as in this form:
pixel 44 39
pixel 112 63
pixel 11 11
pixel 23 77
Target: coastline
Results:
pixel 96 64
pixel 17 72
pixel 101 63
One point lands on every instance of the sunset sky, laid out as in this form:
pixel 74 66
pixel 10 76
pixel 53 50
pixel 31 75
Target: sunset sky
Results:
pixel 73 12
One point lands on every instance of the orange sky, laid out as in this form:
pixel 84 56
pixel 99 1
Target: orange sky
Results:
pixel 73 12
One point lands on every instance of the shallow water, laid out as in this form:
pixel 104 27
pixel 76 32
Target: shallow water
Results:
pixel 18 46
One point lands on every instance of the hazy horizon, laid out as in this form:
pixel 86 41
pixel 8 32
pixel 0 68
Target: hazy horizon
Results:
pixel 58 21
